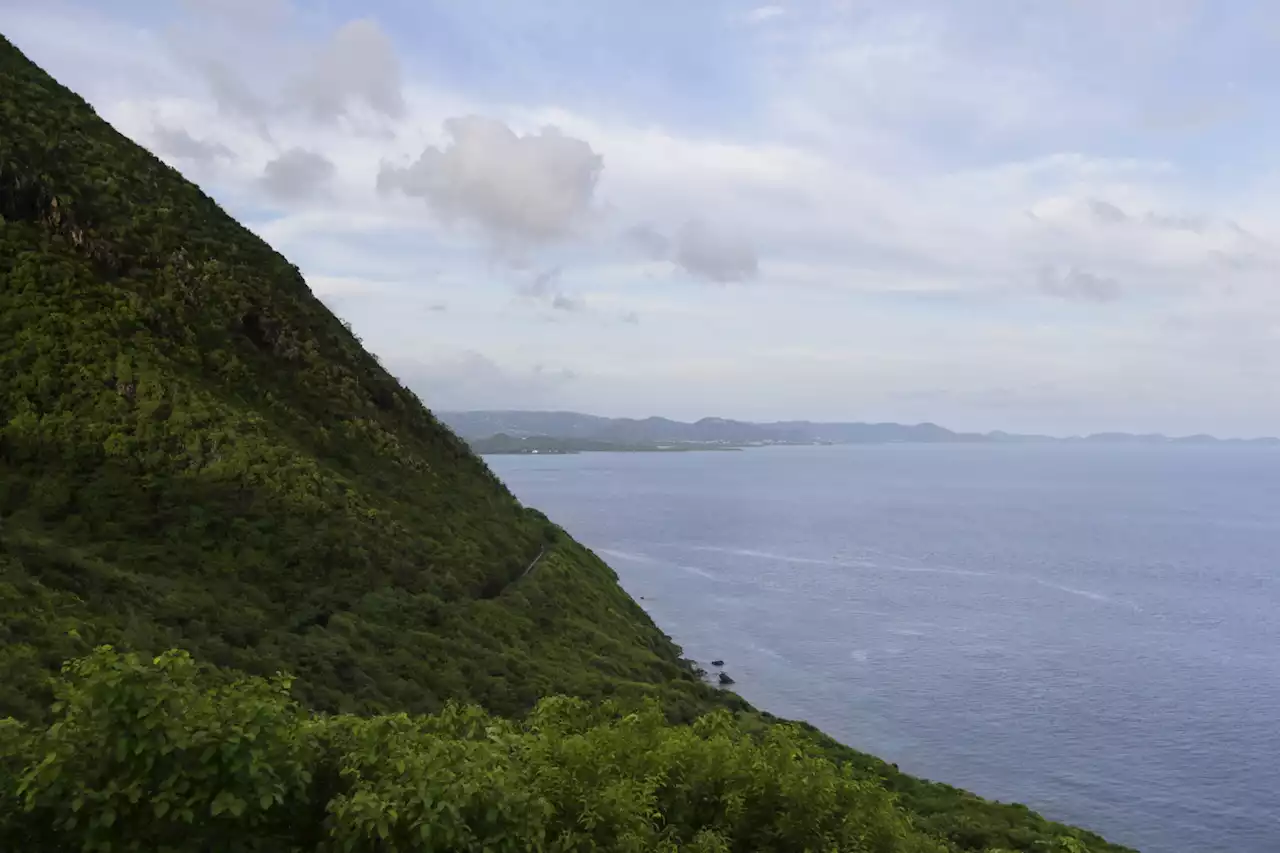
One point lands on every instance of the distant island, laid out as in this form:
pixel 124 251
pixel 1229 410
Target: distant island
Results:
pixel 502 443
pixel 490 432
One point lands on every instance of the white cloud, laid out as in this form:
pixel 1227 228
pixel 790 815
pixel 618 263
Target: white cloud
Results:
pixel 761 14
pixel 297 174
pixel 357 68
pixel 534 188
pixel 715 254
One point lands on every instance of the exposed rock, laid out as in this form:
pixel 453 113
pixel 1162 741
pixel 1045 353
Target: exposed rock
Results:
pixel 717 663
pixel 725 679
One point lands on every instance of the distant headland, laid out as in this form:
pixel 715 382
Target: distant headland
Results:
pixel 573 432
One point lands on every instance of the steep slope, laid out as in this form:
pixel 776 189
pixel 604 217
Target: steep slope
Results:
pixel 195 453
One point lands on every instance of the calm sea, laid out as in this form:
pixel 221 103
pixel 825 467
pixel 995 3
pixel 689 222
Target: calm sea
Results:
pixel 1093 631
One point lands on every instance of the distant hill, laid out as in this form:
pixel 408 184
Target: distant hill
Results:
pixel 532 444
pixel 476 425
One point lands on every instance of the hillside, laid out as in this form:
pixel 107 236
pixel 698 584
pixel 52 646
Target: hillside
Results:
pixel 196 454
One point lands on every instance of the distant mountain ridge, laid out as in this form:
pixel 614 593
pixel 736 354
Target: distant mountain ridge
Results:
pixel 476 425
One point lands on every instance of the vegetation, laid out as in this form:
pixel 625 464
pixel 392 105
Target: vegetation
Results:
pixel 195 454
pixel 143 756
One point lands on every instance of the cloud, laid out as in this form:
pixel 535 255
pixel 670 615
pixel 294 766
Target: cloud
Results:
pixel 255 74
pixel 470 380
pixel 651 243
pixel 1243 261
pixel 713 254
pixel 764 13
pixel 630 317
pixel 358 67
pixel 178 142
pixel 1078 284
pixel 297 174
pixel 530 189
pixel 544 287
pixel 1195 115
pixel 1106 212
pixel 1194 224
pixel 248 14
pixel 542 284
pixel 233 97
pixel 564 302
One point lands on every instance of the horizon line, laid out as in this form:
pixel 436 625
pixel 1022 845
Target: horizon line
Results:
pixel 982 433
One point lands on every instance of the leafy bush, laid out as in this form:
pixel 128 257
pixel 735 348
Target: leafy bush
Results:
pixel 153 755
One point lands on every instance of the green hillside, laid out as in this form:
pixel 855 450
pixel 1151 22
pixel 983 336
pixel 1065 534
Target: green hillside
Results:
pixel 196 454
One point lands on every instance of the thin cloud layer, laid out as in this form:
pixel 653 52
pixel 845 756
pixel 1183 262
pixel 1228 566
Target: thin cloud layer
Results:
pixel 543 284
pixel 648 241
pixel 250 14
pixel 1073 283
pixel 714 254
pixel 544 288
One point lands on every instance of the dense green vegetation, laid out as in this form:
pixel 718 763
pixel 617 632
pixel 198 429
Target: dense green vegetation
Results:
pixel 144 756
pixel 196 454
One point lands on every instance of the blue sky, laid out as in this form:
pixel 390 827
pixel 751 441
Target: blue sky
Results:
pixel 993 215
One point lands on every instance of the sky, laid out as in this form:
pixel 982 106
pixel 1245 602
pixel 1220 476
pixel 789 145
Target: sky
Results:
pixel 1055 217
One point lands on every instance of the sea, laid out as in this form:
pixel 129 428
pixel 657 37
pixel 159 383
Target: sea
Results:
pixel 1091 630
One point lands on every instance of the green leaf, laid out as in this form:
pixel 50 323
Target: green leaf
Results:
pixel 221 803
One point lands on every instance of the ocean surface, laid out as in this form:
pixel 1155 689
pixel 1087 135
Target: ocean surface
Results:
pixel 1092 631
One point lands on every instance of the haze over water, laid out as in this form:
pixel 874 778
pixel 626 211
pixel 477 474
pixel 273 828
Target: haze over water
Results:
pixel 1092 631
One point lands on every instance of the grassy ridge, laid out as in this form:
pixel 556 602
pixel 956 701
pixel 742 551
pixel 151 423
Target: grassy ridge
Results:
pixel 195 453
